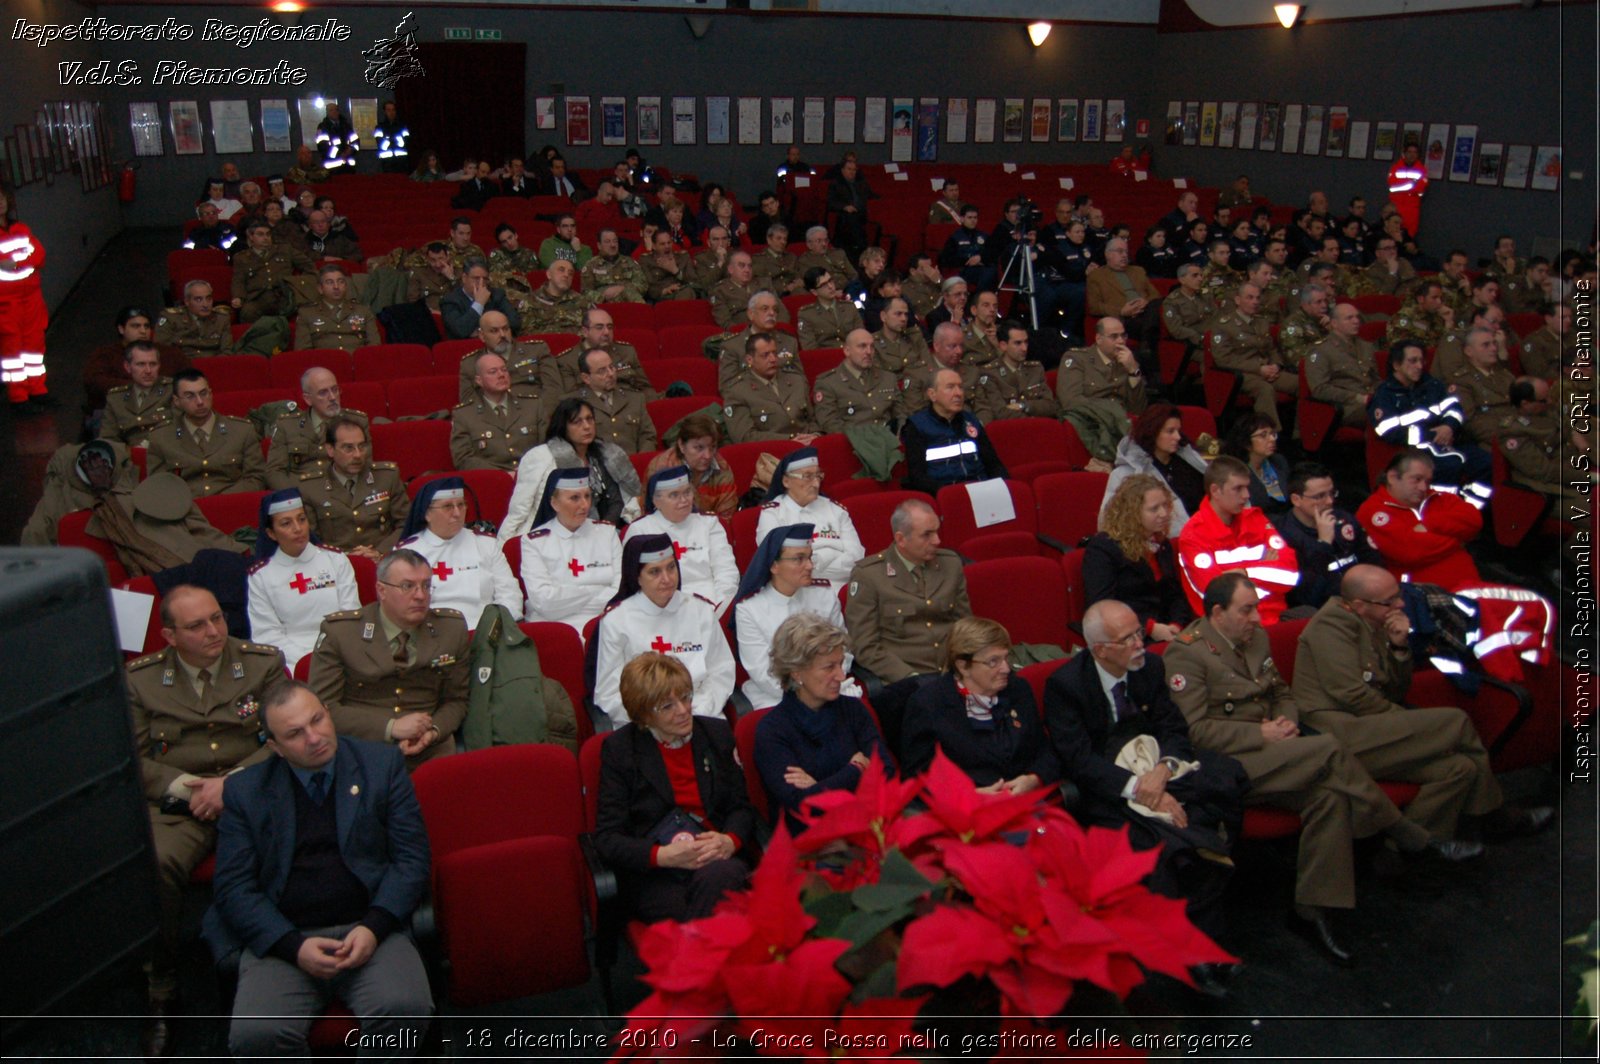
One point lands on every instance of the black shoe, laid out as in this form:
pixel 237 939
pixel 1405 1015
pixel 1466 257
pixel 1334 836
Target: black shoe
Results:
pixel 1511 821
pixel 1212 980
pixel 1316 929
pixel 1453 850
pixel 156 1039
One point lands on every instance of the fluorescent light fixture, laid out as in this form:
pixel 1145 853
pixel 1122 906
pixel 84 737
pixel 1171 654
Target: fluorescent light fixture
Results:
pixel 1037 32
pixel 1286 13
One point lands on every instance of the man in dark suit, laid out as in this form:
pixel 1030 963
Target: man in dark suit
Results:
pixel 1098 704
pixel 321 858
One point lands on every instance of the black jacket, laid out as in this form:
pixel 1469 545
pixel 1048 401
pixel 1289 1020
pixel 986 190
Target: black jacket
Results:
pixel 1078 715
pixel 1108 573
pixel 937 718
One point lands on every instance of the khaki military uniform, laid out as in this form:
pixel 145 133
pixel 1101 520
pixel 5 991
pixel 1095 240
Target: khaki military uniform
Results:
pixel 1413 323
pixel 620 417
pixel 631 376
pixel 195 337
pixel 228 461
pixel 922 296
pixel 1225 693
pixel 533 370
pixel 768 410
pixel 1244 346
pixel 778 271
pixel 842 398
pixel 1350 682
pixel 1086 374
pixel 1299 333
pixel 1531 444
pixel 296 446
pixel 368 511
pixel 978 347
pixel 899 615
pixel 895 353
pixel 1006 391
pixel 707 272
pixel 731 367
pixel 185 733
pixel 1185 316
pixel 1344 373
pixel 835 261
pixel 131 414
pixel 484 438
pixel 265 281
pixel 918 378
pixel 343 326
pixel 826 326
pixel 600 273
pixel 658 279
pixel 1544 353
pixel 1485 399
pixel 1217 283
pixel 354 672
pixel 523 261
pixel 425 282
pixel 545 313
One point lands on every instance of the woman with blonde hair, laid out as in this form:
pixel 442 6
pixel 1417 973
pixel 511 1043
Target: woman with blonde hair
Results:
pixel 1131 559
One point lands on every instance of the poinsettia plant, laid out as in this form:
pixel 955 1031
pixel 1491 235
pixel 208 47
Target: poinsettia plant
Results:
pixel 903 898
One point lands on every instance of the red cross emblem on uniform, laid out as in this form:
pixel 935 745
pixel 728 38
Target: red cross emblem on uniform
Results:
pixel 442 571
pixel 678 550
pixel 660 645
pixel 576 566
pixel 300 583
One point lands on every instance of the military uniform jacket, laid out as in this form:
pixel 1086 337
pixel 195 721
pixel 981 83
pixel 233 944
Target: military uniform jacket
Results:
pixel 685 628
pixel 978 347
pixel 296 446
pixel 1225 693
pixel 1485 398
pixel 195 337
pixel 1185 316
pixel 706 566
pixel 1242 345
pixel 569 576
pixel 899 617
pixel 369 513
pixel 1531 444
pixel 843 399
pixel 1543 353
pixel 1298 335
pixel 631 376
pixel 658 279
pixel 425 282
pixel 481 438
pixel 768 410
pixel 345 326
pixel 289 597
pixel 354 672
pixel 256 272
pixel 230 460
pixel 835 546
pixel 757 619
pixel 826 325
pixel 1341 371
pixel 469 573
pixel 534 373
pixel 922 295
pixel 130 417
pixel 1087 374
pixel 179 733
pixel 1005 391
pixel 774 269
pixel 833 260
pixel 621 418
pixel 731 367
pixel 1342 664
pixel 1411 322
pixel 895 353
pixel 544 313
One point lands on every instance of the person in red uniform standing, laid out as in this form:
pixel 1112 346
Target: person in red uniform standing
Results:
pixel 22 311
pixel 1227 533
pixel 1423 533
pixel 1408 181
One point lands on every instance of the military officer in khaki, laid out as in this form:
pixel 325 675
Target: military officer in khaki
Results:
pixel 1014 386
pixel 1105 371
pixel 774 268
pixel 74 479
pixel 434 279
pixel 620 416
pixel 1483 385
pixel 264 279
pixel 943 353
pixel 1342 368
pixel 1546 350
pixel 1242 343
pixel 296 443
pixel 210 452
pixel 922 287
pixel 1306 326
pixel 196 718
pixel 532 368
pixel 598 330
pixel 667 272
pixel 820 255
pixel 1423 319
pixel 899 343
pixel 766 404
pixel 980 340
pixel 763 311
pixel 555 307
pixel 335 321
pixel 495 428
pixel 856 392
pixel 356 505
pixel 1185 311
pixel 826 322
pixel 396 670
pixel 136 409
pixel 730 297
pixel 197 328
pixel 610 276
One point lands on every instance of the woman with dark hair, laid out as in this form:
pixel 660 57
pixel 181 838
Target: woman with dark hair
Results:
pixel 777 586
pixel 1131 559
pixel 570 442
pixel 469 571
pixel 649 612
pixel 571 566
pixel 23 315
pixel 295 582
pixel 673 816
pixel 706 566
pixel 1156 445
pixel 795 495
pixel 1254 441
pixel 1156 257
pixel 692 443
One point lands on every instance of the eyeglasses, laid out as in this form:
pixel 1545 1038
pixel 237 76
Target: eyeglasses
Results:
pixel 672 705
pixel 409 587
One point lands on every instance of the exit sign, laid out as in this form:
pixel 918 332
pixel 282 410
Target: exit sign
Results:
pixel 488 35
pixel 458 33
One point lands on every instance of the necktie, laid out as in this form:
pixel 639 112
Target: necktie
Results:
pixel 204 676
pixel 401 642
pixel 319 787
pixel 1121 709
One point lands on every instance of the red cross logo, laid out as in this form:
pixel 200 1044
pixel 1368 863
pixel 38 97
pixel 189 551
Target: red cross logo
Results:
pixel 300 583
pixel 442 571
pixel 678 550
pixel 660 646
pixel 576 566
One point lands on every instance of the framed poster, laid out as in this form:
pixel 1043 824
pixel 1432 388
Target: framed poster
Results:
pixel 647 111
pixel 1360 133
pixel 1313 141
pixel 1547 167
pixel 1115 120
pixel 1514 171
pixel 1174 133
pixel 1289 136
pixel 187 135
pixel 1338 132
pixel 1384 146
pixel 1191 123
pixel 1039 121
pixel 144 119
pixel 1434 149
pixel 1092 119
pixel 782 120
pixel 844 119
pixel 928 129
pixel 544 112
pixel 683 131
pixel 1270 116
pixel 875 120
pixel 275 134
pixel 579 122
pixel 956 120
pixel 749 120
pixel 1208 124
pixel 902 145
pixel 1227 125
pixel 1491 164
pixel 1067 120
pixel 231 131
pixel 983 121
pixel 1249 123
pixel 718 127
pixel 1461 153
pixel 813 117
pixel 614 120
pixel 1012 122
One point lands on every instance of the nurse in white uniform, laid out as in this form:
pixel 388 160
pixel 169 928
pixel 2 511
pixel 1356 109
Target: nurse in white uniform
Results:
pixel 778 585
pixel 706 566
pixel 295 582
pixel 570 564
pixel 796 498
pixel 469 570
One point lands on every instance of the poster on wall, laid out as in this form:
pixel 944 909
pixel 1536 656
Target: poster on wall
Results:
pixel 1091 119
pixel 275 133
pixel 749 120
pixel 1515 167
pixel 1174 134
pixel 875 120
pixel 614 120
pixel 648 116
pixel 956 120
pixel 1191 123
pixel 1208 124
pixel 145 121
pixel 1066 119
pixel 231 131
pixel 1039 122
pixel 717 124
pixel 844 119
pixel 813 120
pixel 310 112
pixel 1360 132
pixel 1547 168
pixel 1012 120
pixel 1491 164
pixel 578 122
pixel 1270 112
pixel 1249 123
pixel 544 112
pixel 1383 144
pixel 187 136
pixel 1434 149
pixel 1313 140
pixel 1466 143
pixel 782 120
pixel 928 129
pixel 683 131
pixel 1116 120
pixel 1227 125
pixel 983 121
pixel 1338 132
pixel 364 119
pixel 1289 136
pixel 902 145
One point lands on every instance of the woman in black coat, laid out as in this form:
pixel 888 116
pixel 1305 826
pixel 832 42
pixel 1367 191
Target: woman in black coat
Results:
pixel 1131 559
